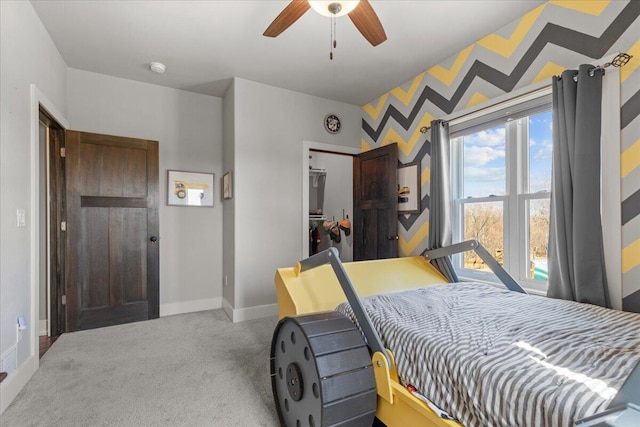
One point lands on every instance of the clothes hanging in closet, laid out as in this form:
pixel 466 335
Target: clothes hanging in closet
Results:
pixel 314 239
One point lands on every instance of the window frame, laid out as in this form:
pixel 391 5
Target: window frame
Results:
pixel 516 216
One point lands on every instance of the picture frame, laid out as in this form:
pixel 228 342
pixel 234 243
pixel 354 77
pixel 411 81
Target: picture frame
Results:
pixel 227 186
pixel 186 188
pixel 409 188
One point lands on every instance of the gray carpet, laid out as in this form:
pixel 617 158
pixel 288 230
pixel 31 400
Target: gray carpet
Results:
pixel 196 369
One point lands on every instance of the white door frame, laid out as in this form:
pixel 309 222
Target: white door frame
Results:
pixel 307 146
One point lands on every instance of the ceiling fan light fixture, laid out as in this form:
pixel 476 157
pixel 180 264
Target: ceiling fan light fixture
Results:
pixel 333 8
pixel 360 12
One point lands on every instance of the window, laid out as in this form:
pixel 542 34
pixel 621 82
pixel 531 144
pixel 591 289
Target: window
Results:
pixel 501 179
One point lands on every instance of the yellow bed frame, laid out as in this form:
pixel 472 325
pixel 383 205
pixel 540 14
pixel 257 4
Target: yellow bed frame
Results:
pixel 304 292
pixel 314 286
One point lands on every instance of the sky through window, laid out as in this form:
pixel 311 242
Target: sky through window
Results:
pixel 484 155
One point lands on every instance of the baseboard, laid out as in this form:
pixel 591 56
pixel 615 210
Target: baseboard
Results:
pixel 228 310
pixel 181 307
pixel 15 382
pixel 249 313
pixel 43 328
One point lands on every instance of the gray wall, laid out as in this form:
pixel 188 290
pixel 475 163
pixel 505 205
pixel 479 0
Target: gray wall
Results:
pixel 28 56
pixel 188 127
pixel 338 195
pixel 270 125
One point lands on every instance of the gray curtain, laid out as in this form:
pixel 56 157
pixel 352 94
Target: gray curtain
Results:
pixel 576 254
pixel 440 233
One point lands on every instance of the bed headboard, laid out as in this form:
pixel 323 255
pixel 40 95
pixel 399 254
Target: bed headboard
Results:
pixel 319 290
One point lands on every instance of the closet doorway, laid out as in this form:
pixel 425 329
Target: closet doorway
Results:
pixel 51 247
pixel 327 199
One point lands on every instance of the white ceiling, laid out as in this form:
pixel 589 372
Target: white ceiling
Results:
pixel 206 43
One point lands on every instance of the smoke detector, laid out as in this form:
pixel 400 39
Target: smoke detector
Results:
pixel 157 67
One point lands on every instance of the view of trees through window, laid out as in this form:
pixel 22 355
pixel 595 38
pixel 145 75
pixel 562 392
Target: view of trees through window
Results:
pixel 489 196
pixel 484 222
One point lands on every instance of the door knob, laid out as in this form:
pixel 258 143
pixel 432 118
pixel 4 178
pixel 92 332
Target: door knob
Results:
pixel 153 239
pixel 392 237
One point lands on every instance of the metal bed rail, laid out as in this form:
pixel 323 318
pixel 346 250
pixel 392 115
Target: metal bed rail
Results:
pixel 480 250
pixel 332 256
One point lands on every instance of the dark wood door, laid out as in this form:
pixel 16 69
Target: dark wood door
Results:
pixel 57 237
pixel 375 204
pixel 112 228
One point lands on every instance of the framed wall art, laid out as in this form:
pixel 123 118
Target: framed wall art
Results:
pixel 189 188
pixel 227 186
pixel 409 188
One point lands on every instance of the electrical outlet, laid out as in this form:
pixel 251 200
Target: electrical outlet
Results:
pixel 21 326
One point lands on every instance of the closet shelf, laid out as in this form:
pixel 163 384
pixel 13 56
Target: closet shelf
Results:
pixel 317 217
pixel 318 171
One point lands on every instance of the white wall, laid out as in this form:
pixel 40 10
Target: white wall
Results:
pixel 188 127
pixel 28 57
pixel 270 125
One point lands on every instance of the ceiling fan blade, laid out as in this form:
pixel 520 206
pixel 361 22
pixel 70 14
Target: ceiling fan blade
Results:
pixel 367 22
pixel 288 16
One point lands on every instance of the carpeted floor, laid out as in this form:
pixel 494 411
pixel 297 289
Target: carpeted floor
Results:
pixel 196 369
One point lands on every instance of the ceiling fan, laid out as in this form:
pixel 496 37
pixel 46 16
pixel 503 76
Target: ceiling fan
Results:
pixel 361 13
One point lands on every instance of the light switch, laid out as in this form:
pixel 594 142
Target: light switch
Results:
pixel 21 218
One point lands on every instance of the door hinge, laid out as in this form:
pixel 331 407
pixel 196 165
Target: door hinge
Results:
pixel 63 152
pixel 63 226
pixel 64 300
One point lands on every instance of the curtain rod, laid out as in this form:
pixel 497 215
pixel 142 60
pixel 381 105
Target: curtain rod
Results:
pixel 619 60
pixel 527 96
pixel 499 103
pixel 504 100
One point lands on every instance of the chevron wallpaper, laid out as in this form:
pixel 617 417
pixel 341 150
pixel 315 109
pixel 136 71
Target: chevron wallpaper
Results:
pixel 559 34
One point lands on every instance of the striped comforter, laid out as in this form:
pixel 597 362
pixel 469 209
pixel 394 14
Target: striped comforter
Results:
pixel 492 357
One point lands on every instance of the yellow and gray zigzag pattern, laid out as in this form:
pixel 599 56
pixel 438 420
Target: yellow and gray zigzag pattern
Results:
pixel 630 175
pixel 551 38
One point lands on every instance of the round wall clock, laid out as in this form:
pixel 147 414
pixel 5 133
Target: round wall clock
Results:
pixel 332 123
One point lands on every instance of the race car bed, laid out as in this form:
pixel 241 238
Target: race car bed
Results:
pixel 438 354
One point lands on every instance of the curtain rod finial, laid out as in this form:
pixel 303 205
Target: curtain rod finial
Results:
pixel 620 60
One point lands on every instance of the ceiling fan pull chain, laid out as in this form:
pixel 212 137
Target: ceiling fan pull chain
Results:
pixel 335 32
pixel 333 39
